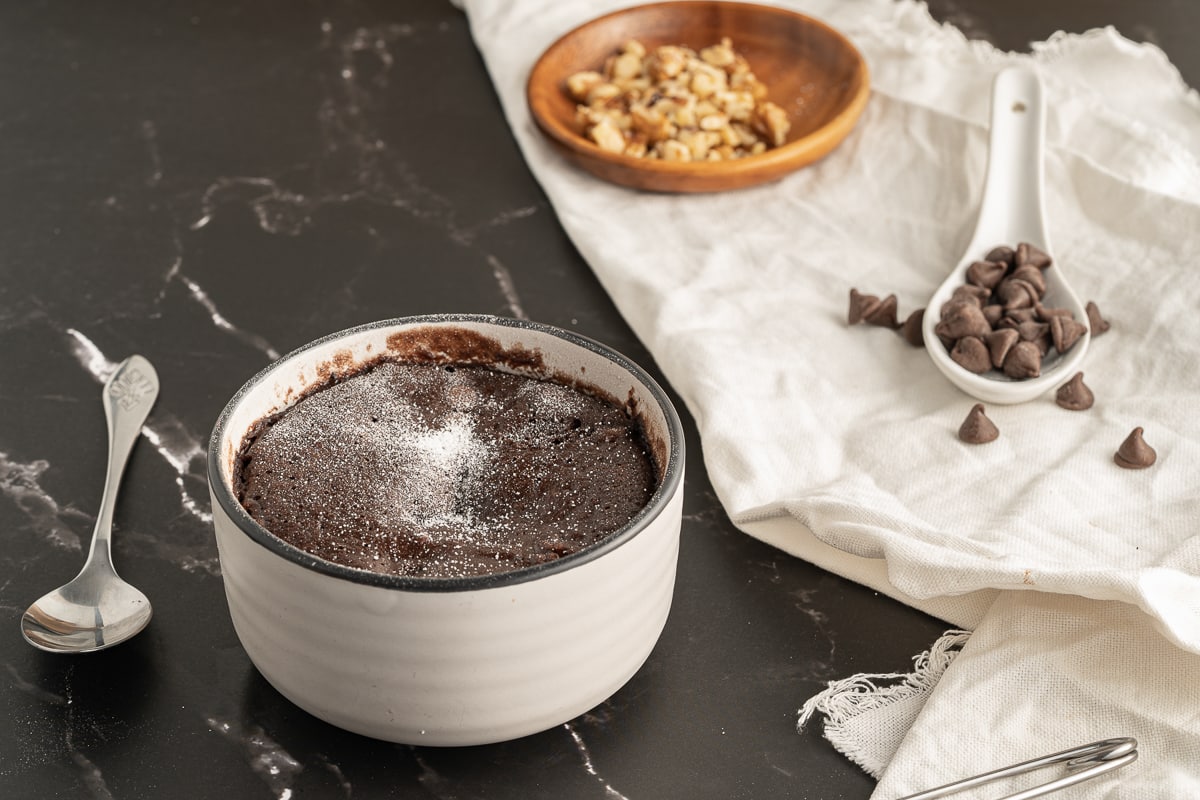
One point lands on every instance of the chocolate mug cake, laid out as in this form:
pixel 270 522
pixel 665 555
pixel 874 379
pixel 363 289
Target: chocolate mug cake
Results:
pixel 477 414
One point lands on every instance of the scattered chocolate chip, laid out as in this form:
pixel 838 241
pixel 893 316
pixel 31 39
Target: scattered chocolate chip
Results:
pixel 992 312
pixel 860 306
pixel 1096 322
pixel 1134 453
pixel 1074 395
pixel 999 343
pixel 971 354
pixel 884 314
pixel 1024 360
pixel 1066 332
pixel 911 330
pixel 977 428
pixel 1028 254
pixel 986 274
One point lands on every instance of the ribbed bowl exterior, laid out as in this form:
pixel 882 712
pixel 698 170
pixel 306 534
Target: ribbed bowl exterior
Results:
pixel 450 667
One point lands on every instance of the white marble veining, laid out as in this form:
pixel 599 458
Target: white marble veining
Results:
pixel 267 758
pixel 585 756
pixel 430 779
pixel 19 482
pixel 150 134
pixel 19 683
pixel 89 773
pixel 338 775
pixel 181 449
pixel 507 288
pixel 359 166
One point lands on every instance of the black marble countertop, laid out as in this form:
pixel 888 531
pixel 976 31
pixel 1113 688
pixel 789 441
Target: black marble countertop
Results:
pixel 211 184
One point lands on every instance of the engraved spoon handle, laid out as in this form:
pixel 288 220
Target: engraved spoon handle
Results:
pixel 128 396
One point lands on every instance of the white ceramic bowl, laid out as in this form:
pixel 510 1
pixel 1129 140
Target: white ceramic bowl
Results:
pixel 450 661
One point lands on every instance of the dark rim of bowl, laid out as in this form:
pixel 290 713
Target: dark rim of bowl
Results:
pixel 668 484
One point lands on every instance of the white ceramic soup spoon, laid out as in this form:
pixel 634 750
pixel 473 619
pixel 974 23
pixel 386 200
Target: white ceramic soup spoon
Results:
pixel 1011 212
pixel 97 609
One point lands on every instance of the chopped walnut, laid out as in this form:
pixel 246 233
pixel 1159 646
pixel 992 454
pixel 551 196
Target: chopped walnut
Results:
pixel 772 121
pixel 580 85
pixel 606 134
pixel 719 55
pixel 674 104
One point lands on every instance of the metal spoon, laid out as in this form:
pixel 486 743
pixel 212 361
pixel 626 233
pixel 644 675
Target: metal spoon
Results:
pixel 1011 212
pixel 97 609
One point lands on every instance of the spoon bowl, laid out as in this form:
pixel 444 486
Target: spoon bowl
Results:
pixel 1011 212
pixel 94 611
pixel 98 609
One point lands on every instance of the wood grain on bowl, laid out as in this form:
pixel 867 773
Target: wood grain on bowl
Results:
pixel 812 71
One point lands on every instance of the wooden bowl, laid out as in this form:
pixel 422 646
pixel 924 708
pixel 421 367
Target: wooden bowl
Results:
pixel 810 70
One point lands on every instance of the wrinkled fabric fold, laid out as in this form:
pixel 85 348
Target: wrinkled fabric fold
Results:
pixel 838 443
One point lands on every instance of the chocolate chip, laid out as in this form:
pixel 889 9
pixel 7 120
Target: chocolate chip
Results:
pixel 964 320
pixel 1007 322
pixel 1032 331
pixel 986 274
pixel 1134 453
pixel 1096 322
pixel 884 314
pixel 1015 293
pixel 1066 332
pixel 1045 313
pixel 1074 395
pixel 911 330
pixel 1028 254
pixel 1036 332
pixel 1031 275
pixel 951 307
pixel 860 306
pixel 977 428
pixel 1024 360
pixel 992 312
pixel 971 354
pixel 1002 254
pixel 967 293
pixel 999 343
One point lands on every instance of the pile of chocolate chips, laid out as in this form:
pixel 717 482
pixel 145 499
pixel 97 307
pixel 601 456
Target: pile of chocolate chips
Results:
pixel 1012 318
pixel 996 320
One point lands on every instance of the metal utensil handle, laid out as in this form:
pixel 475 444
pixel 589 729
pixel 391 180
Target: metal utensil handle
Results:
pixel 1084 762
pixel 128 396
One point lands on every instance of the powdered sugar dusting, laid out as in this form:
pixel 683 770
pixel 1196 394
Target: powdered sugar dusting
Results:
pixel 438 470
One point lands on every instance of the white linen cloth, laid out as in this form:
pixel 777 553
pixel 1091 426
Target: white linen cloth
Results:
pixel 839 444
